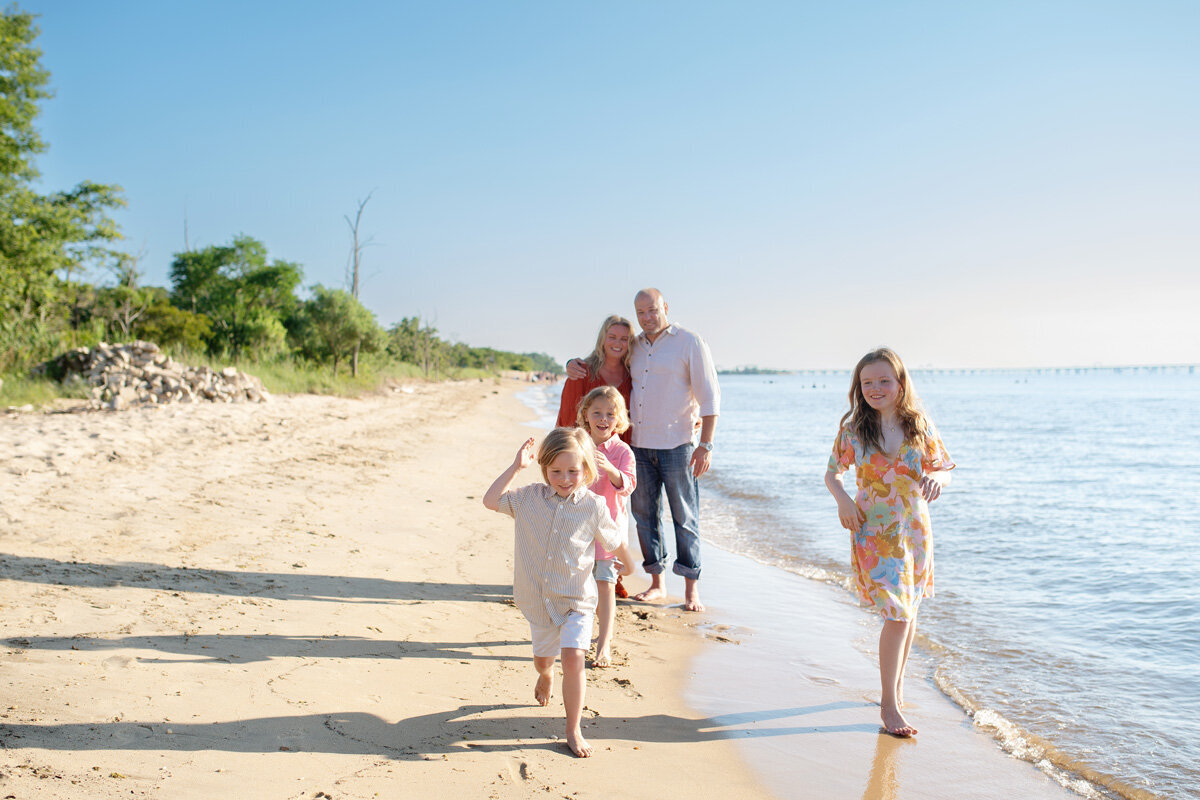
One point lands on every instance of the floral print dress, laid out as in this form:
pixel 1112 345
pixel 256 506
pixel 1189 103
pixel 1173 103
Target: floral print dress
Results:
pixel 892 553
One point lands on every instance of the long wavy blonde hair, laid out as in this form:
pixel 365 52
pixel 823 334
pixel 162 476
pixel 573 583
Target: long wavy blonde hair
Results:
pixel 596 359
pixel 863 421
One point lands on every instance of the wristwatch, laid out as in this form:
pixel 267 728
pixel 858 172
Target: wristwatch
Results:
pixel 707 446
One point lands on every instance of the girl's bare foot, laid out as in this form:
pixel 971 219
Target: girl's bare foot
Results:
pixel 603 658
pixel 895 724
pixel 579 745
pixel 543 690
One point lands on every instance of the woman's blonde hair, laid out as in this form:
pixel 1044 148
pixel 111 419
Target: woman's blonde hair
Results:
pixel 569 440
pixel 596 359
pixel 864 420
pixel 610 394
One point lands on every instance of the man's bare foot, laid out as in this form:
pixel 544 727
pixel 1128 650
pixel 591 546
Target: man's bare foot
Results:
pixel 650 595
pixel 691 597
pixel 656 591
pixel 603 658
pixel 543 690
pixel 895 724
pixel 579 745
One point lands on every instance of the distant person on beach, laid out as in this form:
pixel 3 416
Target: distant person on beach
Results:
pixel 559 523
pixel 900 466
pixel 602 414
pixel 675 392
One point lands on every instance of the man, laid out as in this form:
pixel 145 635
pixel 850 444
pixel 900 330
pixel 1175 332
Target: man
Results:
pixel 674 391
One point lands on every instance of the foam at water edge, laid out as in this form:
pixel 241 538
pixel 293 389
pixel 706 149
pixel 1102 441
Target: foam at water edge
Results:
pixel 1028 747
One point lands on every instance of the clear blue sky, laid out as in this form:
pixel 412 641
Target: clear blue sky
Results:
pixel 974 184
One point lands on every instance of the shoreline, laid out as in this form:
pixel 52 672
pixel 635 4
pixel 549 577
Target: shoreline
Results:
pixel 816 700
pixel 745 681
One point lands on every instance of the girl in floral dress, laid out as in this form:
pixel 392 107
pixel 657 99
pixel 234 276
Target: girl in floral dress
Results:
pixel 900 465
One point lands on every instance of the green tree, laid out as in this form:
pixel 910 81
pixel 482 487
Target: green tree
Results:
pixel 245 298
pixel 168 326
pixel 333 325
pixel 40 235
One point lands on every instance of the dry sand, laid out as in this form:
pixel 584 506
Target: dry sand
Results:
pixel 304 599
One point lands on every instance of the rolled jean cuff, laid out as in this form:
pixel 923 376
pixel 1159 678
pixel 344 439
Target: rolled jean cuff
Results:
pixel 657 568
pixel 691 573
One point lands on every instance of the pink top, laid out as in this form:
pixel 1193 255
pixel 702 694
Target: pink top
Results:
pixel 621 457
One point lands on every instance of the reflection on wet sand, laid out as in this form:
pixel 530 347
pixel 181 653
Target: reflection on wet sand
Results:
pixel 882 783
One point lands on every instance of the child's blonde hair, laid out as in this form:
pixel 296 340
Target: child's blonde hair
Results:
pixel 596 359
pixel 863 421
pixel 569 440
pixel 610 394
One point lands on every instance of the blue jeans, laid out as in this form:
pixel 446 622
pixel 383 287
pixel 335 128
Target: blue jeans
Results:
pixel 669 470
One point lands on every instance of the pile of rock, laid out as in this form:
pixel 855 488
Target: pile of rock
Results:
pixel 138 373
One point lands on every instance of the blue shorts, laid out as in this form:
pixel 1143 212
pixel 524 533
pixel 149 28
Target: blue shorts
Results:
pixel 605 570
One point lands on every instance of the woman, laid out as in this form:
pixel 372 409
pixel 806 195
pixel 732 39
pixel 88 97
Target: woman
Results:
pixel 607 365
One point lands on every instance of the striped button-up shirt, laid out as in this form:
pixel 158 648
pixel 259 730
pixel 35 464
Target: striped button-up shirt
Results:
pixel 674 385
pixel 555 550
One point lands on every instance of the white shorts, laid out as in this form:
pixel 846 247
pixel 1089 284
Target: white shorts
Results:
pixel 576 631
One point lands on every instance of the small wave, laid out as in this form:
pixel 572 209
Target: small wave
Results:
pixel 722 485
pixel 1022 744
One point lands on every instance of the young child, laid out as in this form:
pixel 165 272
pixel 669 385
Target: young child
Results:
pixel 900 466
pixel 603 415
pixel 558 524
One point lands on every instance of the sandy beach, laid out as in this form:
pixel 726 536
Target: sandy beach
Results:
pixel 307 599
pixel 300 599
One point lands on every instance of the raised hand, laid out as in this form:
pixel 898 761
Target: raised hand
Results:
pixel 525 456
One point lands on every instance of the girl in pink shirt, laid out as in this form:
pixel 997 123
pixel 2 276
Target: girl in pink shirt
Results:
pixel 603 415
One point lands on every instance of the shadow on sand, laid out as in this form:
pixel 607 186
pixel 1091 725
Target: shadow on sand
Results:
pixel 276 585
pixel 238 649
pixel 486 728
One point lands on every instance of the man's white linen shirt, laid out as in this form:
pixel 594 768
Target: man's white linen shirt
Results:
pixel 555 549
pixel 674 385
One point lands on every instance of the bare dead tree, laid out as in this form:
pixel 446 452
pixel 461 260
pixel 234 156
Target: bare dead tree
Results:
pixel 129 303
pixel 357 247
pixel 356 262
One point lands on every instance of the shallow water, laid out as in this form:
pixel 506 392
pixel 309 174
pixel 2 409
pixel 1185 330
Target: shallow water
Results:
pixel 1066 616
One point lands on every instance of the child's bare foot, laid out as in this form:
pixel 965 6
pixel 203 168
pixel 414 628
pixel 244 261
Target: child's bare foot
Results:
pixel 579 745
pixel 895 724
pixel 543 690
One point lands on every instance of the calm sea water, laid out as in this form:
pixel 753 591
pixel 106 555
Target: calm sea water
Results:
pixel 1067 615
